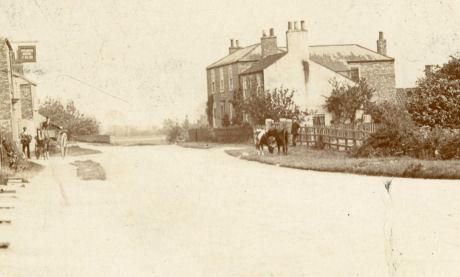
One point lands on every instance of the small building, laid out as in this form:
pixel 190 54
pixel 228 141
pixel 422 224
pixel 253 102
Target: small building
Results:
pixel 18 97
pixel 306 69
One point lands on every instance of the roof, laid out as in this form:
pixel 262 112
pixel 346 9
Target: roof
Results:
pixel 264 63
pixel 402 95
pixel 248 53
pixel 337 57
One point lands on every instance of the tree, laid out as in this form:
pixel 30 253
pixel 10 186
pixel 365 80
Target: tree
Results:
pixel 435 101
pixel 238 107
pixel 346 99
pixel 209 108
pixel 69 117
pixel 274 104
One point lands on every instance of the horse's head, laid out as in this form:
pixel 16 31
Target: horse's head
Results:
pixel 271 144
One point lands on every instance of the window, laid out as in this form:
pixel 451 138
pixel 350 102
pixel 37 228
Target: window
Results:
pixel 258 83
pixel 213 81
pixel 230 77
pixel 222 110
pixel 354 74
pixel 318 120
pixel 221 75
pixel 230 111
pixel 244 86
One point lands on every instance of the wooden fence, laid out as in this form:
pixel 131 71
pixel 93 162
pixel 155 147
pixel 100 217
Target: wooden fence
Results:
pixel 340 137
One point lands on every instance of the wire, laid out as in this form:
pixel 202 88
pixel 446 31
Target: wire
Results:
pixel 91 86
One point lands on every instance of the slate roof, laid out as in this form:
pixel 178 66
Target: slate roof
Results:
pixel 248 53
pixel 264 63
pixel 335 57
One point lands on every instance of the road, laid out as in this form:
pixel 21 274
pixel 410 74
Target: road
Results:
pixel 171 211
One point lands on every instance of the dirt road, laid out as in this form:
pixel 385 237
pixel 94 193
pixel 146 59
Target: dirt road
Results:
pixel 170 211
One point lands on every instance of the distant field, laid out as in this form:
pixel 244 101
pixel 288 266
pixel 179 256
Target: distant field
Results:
pixel 140 140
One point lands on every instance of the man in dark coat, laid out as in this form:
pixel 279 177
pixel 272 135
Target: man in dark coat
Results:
pixel 295 131
pixel 26 138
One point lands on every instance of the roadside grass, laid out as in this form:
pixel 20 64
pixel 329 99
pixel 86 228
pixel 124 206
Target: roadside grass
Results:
pixel 89 170
pixel 29 170
pixel 302 157
pixel 74 150
pixel 209 145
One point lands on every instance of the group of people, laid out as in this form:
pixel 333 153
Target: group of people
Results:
pixel 42 140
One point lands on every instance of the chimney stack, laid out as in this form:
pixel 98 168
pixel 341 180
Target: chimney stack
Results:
pixel 232 48
pixel 269 45
pixel 297 41
pixel 428 69
pixel 237 44
pixel 382 45
pixel 264 34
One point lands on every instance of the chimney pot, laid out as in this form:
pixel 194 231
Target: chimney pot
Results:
pixel 380 35
pixel 231 43
pixel 237 43
pixel 295 25
pixel 264 34
pixel 302 25
pixel 428 69
pixel 289 25
pixel 272 32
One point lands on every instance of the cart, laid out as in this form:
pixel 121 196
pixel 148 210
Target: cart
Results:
pixel 57 136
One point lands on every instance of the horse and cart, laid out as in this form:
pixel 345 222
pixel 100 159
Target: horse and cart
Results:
pixel 50 134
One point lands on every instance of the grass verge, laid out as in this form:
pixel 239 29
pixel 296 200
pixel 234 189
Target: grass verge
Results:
pixel 74 150
pixel 209 145
pixel 30 170
pixel 89 170
pixel 301 157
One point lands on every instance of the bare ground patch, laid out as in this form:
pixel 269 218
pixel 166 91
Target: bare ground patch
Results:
pixel 89 170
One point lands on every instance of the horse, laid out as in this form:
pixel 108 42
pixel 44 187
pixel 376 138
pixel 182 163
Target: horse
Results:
pixel 281 138
pixel 261 138
pixel 42 143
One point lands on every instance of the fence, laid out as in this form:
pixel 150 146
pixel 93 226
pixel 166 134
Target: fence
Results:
pixel 339 137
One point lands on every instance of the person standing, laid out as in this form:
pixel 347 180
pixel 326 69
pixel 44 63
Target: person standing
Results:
pixel 295 131
pixel 25 141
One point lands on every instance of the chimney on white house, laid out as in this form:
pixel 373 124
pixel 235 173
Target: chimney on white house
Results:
pixel 234 45
pixel 268 44
pixel 297 40
pixel 382 45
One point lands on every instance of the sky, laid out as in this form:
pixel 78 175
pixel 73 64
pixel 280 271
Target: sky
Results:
pixel 140 61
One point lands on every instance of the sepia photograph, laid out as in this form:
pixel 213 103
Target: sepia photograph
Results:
pixel 229 138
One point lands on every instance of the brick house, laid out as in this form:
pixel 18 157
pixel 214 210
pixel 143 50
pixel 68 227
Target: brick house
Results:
pixel 299 66
pixel 18 97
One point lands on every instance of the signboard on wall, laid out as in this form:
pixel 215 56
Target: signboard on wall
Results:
pixel 27 54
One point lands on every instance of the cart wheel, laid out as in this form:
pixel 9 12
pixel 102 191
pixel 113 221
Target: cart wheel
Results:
pixel 64 145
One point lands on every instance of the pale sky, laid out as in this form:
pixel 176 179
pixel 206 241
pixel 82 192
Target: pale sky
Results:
pixel 153 54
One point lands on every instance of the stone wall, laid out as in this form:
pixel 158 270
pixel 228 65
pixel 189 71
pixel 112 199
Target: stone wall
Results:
pixel 5 91
pixel 26 101
pixel 381 76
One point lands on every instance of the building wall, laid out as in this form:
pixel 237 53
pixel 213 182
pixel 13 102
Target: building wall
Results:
pixel 380 76
pixel 319 88
pixel 6 128
pixel 225 97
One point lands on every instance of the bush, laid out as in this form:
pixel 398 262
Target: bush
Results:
pixel 173 133
pixel 451 148
pixel 394 138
